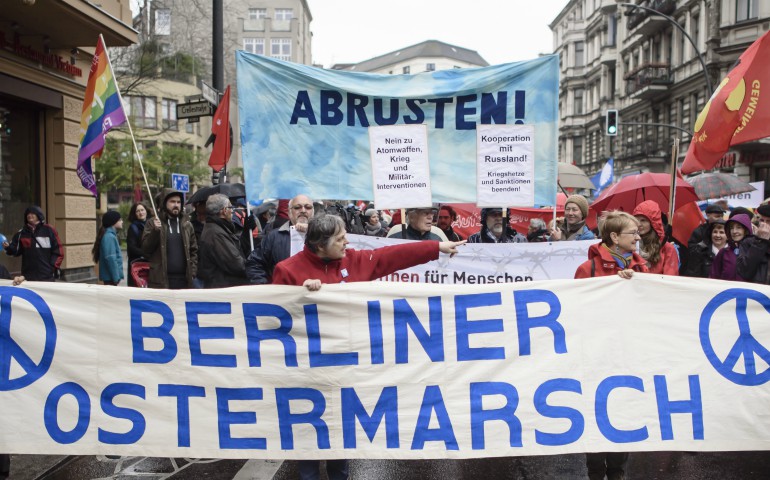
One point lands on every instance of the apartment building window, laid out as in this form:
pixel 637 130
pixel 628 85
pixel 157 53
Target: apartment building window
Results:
pixel 168 113
pixel 163 21
pixel 142 111
pixel 577 150
pixel 280 48
pixel 283 14
pixel 745 10
pixel 612 30
pixel 580 54
pixel 257 13
pixel 579 93
pixel 254 45
pixel 405 70
pixel 430 67
pixel 191 126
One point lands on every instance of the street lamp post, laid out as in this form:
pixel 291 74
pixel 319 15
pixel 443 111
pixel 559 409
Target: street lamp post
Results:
pixel 684 32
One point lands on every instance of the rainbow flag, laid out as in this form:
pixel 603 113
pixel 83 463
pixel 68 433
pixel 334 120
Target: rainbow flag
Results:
pixel 102 110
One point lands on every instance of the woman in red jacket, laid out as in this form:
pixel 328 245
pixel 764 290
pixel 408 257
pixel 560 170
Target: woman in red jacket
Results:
pixel 661 256
pixel 325 258
pixel 617 252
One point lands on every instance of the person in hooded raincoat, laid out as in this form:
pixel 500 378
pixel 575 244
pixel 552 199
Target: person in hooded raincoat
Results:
pixel 660 255
pixel 738 228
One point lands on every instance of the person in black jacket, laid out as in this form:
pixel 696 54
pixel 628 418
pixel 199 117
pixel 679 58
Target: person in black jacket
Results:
pixel 137 217
pixel 221 263
pixel 39 247
pixel 700 257
pixel 276 245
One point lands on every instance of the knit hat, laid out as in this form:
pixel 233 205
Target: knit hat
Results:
pixel 764 210
pixel 370 212
pixel 110 218
pixel 581 203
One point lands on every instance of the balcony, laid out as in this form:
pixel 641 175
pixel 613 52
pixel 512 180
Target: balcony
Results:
pixel 644 22
pixel 649 80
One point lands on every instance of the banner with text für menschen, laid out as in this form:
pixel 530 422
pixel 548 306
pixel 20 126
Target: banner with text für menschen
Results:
pixel 383 370
pixel 305 129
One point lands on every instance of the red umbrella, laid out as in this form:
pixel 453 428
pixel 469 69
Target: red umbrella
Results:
pixel 632 190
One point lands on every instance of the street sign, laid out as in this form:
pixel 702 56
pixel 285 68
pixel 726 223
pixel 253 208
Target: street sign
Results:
pixel 180 182
pixel 194 109
pixel 210 93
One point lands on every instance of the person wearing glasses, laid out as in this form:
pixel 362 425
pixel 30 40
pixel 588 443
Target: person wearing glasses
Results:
pixel 419 226
pixel 221 262
pixel 276 245
pixel 661 256
pixel 616 254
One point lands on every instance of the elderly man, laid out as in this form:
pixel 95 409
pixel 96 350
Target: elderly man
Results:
pixel 419 225
pixel 495 230
pixel 276 245
pixel 221 261
pixel 169 243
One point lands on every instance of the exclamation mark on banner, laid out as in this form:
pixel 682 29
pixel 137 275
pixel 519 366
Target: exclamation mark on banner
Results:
pixel 519 107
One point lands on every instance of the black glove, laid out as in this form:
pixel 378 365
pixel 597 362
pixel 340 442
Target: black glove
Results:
pixel 250 223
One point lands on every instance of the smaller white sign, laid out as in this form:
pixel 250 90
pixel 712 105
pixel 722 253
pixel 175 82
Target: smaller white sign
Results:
pixel 505 165
pixel 751 199
pixel 400 168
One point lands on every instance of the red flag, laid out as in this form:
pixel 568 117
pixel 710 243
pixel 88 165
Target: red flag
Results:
pixel 736 112
pixel 220 130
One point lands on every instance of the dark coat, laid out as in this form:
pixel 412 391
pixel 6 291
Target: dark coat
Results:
pixel 154 243
pixel 752 260
pixel 275 247
pixel 39 248
pixel 221 261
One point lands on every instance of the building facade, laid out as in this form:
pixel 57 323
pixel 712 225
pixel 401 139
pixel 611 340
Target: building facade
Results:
pixel 427 56
pixel 615 56
pixel 275 28
pixel 46 47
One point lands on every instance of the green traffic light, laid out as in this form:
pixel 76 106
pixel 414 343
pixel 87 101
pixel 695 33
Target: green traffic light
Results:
pixel 612 129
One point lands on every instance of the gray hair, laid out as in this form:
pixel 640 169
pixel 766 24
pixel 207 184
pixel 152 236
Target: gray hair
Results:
pixel 321 231
pixel 216 203
pixel 537 223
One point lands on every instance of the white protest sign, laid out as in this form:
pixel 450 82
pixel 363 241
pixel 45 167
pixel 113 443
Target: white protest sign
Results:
pixel 480 263
pixel 505 165
pixel 384 370
pixel 400 167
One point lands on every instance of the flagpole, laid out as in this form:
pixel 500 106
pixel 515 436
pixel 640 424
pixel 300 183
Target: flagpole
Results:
pixel 672 191
pixel 130 130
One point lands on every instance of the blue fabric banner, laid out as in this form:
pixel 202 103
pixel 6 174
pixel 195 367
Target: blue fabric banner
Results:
pixel 305 129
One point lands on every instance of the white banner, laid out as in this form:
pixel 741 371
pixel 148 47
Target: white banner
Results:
pixel 505 165
pixel 751 199
pixel 481 263
pixel 376 370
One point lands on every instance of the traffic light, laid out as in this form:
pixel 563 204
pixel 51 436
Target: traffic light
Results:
pixel 612 123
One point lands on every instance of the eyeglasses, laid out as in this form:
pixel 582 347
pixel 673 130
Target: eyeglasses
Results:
pixel 300 207
pixel 229 207
pixel 634 233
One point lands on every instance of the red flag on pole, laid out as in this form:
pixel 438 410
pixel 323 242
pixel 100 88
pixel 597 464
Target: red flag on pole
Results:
pixel 736 112
pixel 220 130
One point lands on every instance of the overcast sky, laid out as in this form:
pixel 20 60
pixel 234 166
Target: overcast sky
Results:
pixel 501 31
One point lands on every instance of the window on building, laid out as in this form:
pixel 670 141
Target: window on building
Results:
pixel 280 48
pixel 142 111
pixel 580 54
pixel 430 67
pixel 612 30
pixel 745 10
pixel 163 21
pixel 579 93
pixel 189 126
pixel 405 70
pixel 577 150
pixel 283 14
pixel 257 13
pixel 254 45
pixel 168 114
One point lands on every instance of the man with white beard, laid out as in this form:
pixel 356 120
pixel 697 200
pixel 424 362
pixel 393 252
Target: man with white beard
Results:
pixel 496 229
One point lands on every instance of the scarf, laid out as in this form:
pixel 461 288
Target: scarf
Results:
pixel 372 230
pixel 622 259
pixel 571 231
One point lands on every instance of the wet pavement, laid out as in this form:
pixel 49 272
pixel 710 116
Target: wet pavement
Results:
pixel 641 466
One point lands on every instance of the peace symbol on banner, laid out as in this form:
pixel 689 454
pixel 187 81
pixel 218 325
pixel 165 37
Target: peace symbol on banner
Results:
pixel 11 351
pixel 746 349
